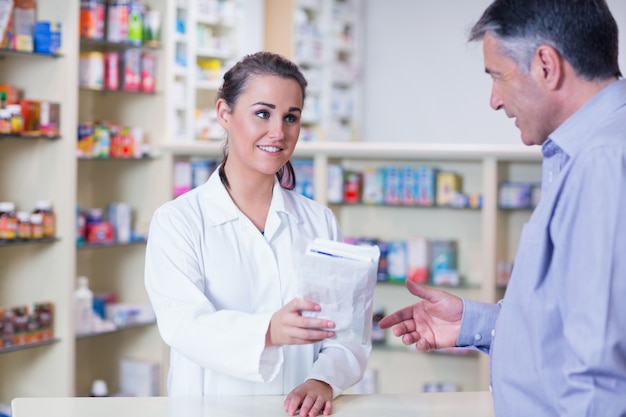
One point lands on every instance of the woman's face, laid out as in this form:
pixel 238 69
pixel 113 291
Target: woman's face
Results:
pixel 264 125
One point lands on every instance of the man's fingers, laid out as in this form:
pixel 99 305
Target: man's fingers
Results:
pixel 396 317
pixel 422 291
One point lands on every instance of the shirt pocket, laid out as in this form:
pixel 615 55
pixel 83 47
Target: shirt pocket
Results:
pixel 532 259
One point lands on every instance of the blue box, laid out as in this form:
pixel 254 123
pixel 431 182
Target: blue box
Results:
pixel 47 37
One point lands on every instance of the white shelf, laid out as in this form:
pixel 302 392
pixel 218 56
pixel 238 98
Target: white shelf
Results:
pixel 379 150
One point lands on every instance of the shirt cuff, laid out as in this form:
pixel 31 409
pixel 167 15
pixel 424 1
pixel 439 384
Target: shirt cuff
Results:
pixel 478 324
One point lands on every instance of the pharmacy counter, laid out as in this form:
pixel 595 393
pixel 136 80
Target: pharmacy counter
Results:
pixel 475 404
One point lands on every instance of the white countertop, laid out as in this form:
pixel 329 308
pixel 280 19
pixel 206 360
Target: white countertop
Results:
pixel 475 404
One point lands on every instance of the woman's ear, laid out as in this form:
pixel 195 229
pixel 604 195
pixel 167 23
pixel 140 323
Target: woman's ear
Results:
pixel 223 112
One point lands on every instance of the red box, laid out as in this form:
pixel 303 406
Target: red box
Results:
pixel 130 71
pixel 99 233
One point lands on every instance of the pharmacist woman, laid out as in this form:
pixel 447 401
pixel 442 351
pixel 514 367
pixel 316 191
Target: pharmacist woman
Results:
pixel 220 259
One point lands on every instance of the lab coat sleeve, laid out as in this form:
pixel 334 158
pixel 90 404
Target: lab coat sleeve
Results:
pixel 228 342
pixel 341 365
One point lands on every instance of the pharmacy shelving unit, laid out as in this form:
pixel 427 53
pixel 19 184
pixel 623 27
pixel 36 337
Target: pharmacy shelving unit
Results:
pixel 485 236
pixel 324 39
pixel 206 43
pixel 33 169
pixel 118 268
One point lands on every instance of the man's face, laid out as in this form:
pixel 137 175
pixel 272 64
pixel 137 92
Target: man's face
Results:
pixel 518 93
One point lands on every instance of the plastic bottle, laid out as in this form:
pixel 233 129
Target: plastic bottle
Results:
pixel 8 222
pixel 36 226
pixel 83 306
pixel 24 229
pixel 99 388
pixel 48 218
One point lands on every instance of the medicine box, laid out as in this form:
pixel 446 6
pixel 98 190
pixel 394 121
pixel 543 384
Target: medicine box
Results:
pixel 373 184
pixel 444 264
pixel 11 93
pixel 448 185
pixel 335 184
pixel 397 260
pixel 50 118
pixel 418 259
pixel 47 37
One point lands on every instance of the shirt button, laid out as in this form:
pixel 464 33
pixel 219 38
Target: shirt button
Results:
pixel 477 337
pixel 490 388
pixel 493 332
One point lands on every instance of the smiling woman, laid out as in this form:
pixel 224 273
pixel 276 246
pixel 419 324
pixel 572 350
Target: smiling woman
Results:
pixel 220 259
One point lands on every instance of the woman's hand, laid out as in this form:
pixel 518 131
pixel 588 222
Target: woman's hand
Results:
pixel 288 327
pixel 312 398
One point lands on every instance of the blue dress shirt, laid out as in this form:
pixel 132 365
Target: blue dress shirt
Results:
pixel 557 340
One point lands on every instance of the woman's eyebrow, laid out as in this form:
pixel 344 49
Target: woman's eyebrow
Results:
pixel 273 106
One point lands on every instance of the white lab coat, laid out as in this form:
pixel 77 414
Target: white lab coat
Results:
pixel 214 281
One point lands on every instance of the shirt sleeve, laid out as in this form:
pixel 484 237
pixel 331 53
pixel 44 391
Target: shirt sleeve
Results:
pixel 478 324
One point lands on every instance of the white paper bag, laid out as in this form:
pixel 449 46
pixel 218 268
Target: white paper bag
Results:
pixel 340 277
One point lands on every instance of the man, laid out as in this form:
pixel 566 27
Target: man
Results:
pixel 557 340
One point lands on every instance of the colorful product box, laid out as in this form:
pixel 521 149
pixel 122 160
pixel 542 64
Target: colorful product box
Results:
pixel 425 184
pixel 392 185
pixel 444 264
pixel 373 185
pixel 418 259
pixel 47 37
pixel 119 215
pixel 11 93
pixel 514 195
pixel 335 184
pixel 201 170
pixel 24 18
pixel 31 116
pixel 182 177
pixel 448 185
pixel 406 186
pixel 352 187
pixel 50 118
pixel 84 146
pixel 303 169
pixel 397 260
pixel 130 71
pixel 99 233
pixel 148 72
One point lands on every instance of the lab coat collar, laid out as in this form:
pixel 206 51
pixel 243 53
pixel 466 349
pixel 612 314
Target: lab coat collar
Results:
pixel 223 209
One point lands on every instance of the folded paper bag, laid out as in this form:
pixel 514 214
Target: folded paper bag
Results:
pixel 340 277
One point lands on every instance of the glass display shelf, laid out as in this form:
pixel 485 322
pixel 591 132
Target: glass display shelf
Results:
pixel 106 45
pixel 117 329
pixel 28 242
pixel 28 137
pixel 109 244
pixel 14 348
pixel 8 52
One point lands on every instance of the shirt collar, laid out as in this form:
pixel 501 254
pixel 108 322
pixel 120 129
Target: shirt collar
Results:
pixel 577 130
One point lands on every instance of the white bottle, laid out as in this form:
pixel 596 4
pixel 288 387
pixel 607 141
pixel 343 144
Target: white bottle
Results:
pixel 83 307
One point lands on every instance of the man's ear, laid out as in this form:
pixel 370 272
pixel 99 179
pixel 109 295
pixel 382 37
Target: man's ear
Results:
pixel 223 112
pixel 547 66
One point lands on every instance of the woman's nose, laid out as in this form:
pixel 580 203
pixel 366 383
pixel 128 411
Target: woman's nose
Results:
pixel 277 129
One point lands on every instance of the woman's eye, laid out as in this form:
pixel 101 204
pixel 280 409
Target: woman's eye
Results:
pixel 263 114
pixel 290 118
